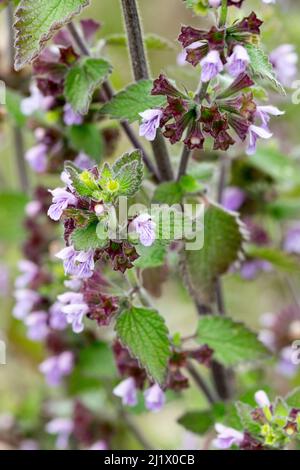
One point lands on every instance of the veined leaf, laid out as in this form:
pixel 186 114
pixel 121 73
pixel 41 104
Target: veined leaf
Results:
pixel 262 67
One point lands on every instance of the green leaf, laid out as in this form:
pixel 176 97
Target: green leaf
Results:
pixel 152 42
pixel 261 66
pixel 279 259
pixel 280 407
pixel 86 138
pixel 128 103
pixel 37 22
pixel 198 422
pixel 280 167
pixel 244 413
pixel 13 106
pixel 231 341
pixel 223 239
pixel 189 184
pixel 82 80
pixel 81 188
pixel 12 207
pixel 86 237
pixel 128 171
pixel 200 7
pixel 151 256
pixel 293 398
pixel 144 333
pixel 168 193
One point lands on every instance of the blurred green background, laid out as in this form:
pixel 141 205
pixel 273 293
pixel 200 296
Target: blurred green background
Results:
pixel 22 389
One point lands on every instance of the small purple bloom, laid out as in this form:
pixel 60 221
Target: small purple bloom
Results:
pixel 86 263
pixel 233 198
pixel 75 309
pixel 211 66
pixel 56 367
pixel 255 133
pixel 250 269
pixel 66 179
pixel 37 324
pixel 214 3
pixel 291 242
pixel 63 427
pixel 127 391
pixel 25 301
pixel 29 444
pixel 37 158
pixel 70 117
pixel 61 200
pixel 284 60
pixel 33 208
pixel 99 445
pixel 227 437
pixel 36 102
pixel 57 319
pixel 145 228
pixel 29 271
pixel 264 113
pixel 4 280
pixel 238 61
pixel 150 123
pixel 83 161
pixel 285 365
pixel 262 399
pixel 154 398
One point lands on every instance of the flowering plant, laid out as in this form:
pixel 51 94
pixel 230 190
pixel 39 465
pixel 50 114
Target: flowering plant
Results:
pixel 196 199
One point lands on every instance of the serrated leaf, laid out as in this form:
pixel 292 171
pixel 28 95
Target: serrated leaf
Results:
pixel 151 256
pixel 86 138
pixel 86 238
pixel 261 66
pixel 280 167
pixel 223 241
pixel 77 183
pixel 37 21
pixel 279 259
pixel 231 341
pixel 169 193
pixel 82 80
pixel 293 398
pixel 280 407
pixel 128 103
pixel 244 413
pixel 198 422
pixel 144 333
pixel 152 42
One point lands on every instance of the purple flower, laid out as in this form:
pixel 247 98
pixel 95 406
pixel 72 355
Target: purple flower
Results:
pixel 211 66
pixel 284 60
pixel 75 309
pixel 262 399
pixel 127 391
pixel 145 228
pixel 37 324
pixel 36 102
pixel 63 427
pixel 250 269
pixel 264 113
pixel 56 367
pixel 29 271
pixel 29 444
pixel 4 280
pixel 70 117
pixel 61 200
pixel 83 161
pixel 233 198
pixel 37 158
pixel 227 437
pixel 238 61
pixel 86 263
pixel 285 365
pixel 214 3
pixel 57 319
pixel 291 242
pixel 68 255
pixel 154 398
pixel 33 208
pixel 26 300
pixel 255 133
pixel 150 123
pixel 66 179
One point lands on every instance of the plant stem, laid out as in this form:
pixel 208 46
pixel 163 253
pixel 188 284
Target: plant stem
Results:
pixel 110 94
pixel 201 383
pixel 223 13
pixel 141 72
pixel 17 131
